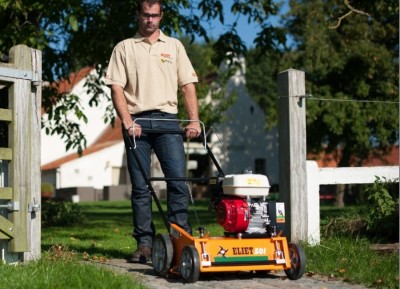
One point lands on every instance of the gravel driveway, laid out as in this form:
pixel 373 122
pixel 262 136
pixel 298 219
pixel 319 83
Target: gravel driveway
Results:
pixel 243 280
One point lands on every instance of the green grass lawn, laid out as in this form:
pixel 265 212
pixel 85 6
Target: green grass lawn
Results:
pixel 107 229
pixel 105 233
pixel 62 273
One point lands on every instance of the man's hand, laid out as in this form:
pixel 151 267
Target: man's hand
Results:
pixel 133 129
pixel 193 129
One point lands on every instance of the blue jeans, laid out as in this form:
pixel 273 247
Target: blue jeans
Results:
pixel 171 155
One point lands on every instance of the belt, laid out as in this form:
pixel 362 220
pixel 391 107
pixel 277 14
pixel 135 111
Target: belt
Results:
pixel 149 112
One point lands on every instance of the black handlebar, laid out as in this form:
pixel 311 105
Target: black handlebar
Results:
pixel 151 130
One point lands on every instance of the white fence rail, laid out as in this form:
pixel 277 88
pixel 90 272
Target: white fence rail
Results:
pixel 327 176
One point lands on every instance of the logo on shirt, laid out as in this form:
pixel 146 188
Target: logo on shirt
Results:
pixel 166 55
pixel 166 58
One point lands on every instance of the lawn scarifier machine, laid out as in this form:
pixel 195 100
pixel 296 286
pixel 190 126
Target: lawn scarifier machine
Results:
pixel 253 239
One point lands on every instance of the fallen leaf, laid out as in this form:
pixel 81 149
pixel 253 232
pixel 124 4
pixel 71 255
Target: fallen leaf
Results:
pixel 102 259
pixel 379 281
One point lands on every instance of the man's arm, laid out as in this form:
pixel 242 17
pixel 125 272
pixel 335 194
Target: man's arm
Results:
pixel 193 129
pixel 120 105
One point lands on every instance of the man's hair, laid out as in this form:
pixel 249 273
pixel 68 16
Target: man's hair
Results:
pixel 151 3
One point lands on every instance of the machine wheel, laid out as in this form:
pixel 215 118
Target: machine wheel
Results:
pixel 162 254
pixel 297 262
pixel 190 264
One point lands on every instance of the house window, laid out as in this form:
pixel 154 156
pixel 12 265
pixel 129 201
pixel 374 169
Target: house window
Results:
pixel 260 166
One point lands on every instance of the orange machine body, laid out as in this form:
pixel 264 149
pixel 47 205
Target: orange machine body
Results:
pixel 222 254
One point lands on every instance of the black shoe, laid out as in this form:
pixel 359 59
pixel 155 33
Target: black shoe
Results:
pixel 141 255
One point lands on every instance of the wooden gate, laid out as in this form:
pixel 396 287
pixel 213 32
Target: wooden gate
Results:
pixel 20 124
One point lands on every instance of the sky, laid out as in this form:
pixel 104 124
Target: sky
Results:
pixel 248 32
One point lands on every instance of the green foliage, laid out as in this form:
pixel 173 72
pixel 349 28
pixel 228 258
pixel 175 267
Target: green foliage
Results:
pixel 261 71
pixel 381 201
pixel 351 74
pixel 383 209
pixel 356 66
pixel 57 213
pixel 62 119
pixel 376 219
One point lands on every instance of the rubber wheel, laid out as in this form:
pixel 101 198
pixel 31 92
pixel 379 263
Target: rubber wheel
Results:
pixel 297 262
pixel 190 264
pixel 162 254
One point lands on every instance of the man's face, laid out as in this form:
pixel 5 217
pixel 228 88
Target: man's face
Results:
pixel 149 19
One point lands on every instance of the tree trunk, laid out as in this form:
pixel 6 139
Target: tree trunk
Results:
pixel 339 198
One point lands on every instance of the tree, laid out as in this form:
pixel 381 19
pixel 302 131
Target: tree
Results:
pixel 356 66
pixel 77 33
pixel 261 72
pixel 351 75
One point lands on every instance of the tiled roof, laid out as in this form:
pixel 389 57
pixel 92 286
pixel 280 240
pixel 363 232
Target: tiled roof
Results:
pixel 391 158
pixel 111 134
pixel 66 85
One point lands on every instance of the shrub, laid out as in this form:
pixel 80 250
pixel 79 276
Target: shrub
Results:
pixel 60 213
pixel 382 214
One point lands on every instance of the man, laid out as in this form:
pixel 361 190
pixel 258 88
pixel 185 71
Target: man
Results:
pixel 144 74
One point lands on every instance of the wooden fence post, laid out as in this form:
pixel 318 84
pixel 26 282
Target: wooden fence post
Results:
pixel 20 224
pixel 292 152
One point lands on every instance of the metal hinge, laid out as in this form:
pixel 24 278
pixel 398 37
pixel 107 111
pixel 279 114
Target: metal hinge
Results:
pixel 11 206
pixel 33 206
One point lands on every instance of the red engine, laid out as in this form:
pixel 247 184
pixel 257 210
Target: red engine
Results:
pixel 233 214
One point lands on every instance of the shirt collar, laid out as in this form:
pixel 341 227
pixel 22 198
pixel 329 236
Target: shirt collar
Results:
pixel 140 38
